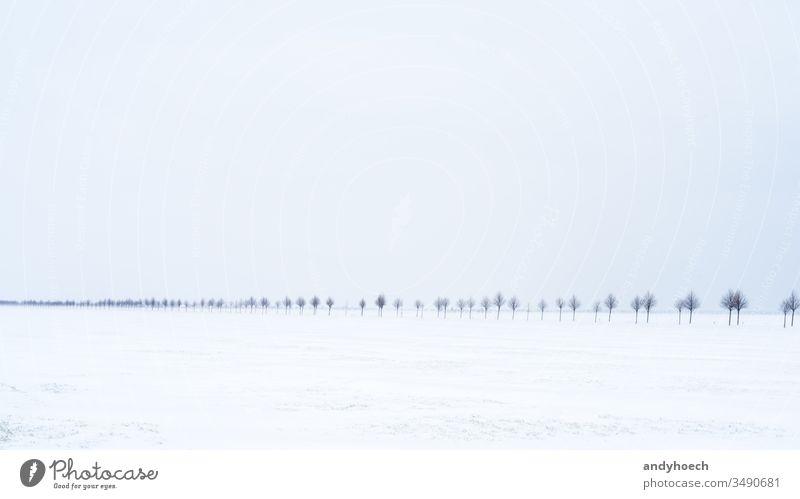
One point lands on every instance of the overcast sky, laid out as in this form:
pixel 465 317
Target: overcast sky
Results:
pixel 199 149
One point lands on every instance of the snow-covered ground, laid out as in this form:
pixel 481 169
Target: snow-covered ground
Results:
pixel 142 379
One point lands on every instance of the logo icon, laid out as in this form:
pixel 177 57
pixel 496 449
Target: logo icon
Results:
pixel 31 472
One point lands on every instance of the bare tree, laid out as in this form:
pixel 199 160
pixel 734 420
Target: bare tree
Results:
pixel 542 305
pixel 362 304
pixel 648 302
pixel 264 304
pixel 692 303
pixel 445 304
pixel 301 304
pixel 438 304
pixel 287 304
pixel 596 308
pixel 785 309
pixel 329 303
pixel 574 303
pixel 513 304
pixel 220 304
pixel 315 301
pixel 380 301
pixel 485 304
pixel 470 305
pixel 727 302
pixel 418 305
pixel 793 302
pixel 680 303
pixel 636 304
pixel 739 302
pixel 461 304
pixel 499 301
pixel 277 306
pixel 610 303
pixel 398 305
pixel 560 305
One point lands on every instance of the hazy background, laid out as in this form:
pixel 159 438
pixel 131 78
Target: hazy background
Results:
pixel 199 149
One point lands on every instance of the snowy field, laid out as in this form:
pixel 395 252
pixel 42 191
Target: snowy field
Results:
pixel 72 378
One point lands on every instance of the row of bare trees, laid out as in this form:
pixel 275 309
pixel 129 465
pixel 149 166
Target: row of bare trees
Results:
pixel 250 304
pixel 732 300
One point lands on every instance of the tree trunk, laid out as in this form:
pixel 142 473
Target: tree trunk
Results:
pixel 793 318
pixel 559 315
pixel 609 315
pixel 784 319
pixel 498 313
pixel 637 317
pixel 595 316
pixel 679 317
pixel 691 310
pixel 513 311
pixel 737 316
pixel 573 314
pixel 730 311
pixel 648 316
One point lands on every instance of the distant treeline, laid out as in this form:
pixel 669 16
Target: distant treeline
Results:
pixel 733 300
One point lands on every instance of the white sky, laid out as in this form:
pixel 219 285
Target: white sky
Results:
pixel 198 149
